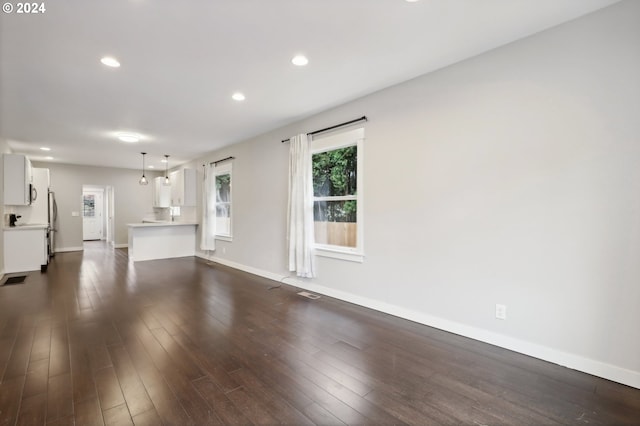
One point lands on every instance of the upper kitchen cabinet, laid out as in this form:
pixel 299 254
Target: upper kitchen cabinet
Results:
pixel 183 187
pixel 17 180
pixel 161 193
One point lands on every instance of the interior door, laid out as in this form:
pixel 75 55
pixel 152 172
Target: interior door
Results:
pixel 92 217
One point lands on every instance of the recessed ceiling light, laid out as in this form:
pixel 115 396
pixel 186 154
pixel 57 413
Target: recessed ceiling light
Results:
pixel 412 1
pixel 238 96
pixel 163 161
pixel 110 62
pixel 44 148
pixel 129 137
pixel 48 158
pixel 300 60
pixel 152 167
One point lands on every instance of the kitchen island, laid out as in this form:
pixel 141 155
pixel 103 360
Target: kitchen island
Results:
pixel 161 240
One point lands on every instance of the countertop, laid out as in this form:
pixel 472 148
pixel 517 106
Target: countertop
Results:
pixel 26 226
pixel 159 224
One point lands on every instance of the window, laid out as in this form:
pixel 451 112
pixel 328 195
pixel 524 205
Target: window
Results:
pixel 88 205
pixel 337 194
pixel 223 201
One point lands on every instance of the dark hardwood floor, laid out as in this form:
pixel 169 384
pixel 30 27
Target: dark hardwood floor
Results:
pixel 98 340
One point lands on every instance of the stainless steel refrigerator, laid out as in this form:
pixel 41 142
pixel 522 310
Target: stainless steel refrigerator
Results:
pixel 53 223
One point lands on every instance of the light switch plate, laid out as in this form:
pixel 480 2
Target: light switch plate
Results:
pixel 501 311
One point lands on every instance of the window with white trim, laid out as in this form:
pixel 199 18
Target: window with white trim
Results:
pixel 223 201
pixel 337 194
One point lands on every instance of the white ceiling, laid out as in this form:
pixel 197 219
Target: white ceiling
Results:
pixel 182 61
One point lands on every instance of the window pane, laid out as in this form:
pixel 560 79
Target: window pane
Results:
pixel 334 172
pixel 89 206
pixel 335 222
pixel 223 188
pixel 223 219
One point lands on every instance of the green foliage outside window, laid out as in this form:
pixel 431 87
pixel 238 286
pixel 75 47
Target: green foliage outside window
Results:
pixel 223 188
pixel 335 174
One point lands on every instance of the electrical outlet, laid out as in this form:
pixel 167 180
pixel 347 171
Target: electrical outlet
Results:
pixel 501 311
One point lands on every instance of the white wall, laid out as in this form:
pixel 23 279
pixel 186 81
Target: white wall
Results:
pixel 4 148
pixel 132 201
pixel 508 178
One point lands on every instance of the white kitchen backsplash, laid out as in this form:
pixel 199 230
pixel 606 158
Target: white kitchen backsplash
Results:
pixel 180 214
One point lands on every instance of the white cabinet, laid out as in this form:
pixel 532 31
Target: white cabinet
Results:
pixel 17 180
pixel 161 193
pixel 183 187
pixel 25 249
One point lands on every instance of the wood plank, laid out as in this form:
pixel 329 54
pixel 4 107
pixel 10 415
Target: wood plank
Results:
pixel 276 405
pixel 216 398
pixel 180 357
pixel 37 378
pixel 254 410
pixel 59 361
pixel 60 397
pixel 135 394
pixel 41 343
pixel 33 410
pixel 88 412
pixel 148 418
pixel 117 416
pixel 320 416
pixel 209 361
pixel 19 359
pixel 172 413
pixel 83 382
pixel 155 385
pixel 10 396
pixel 108 386
pixel 194 405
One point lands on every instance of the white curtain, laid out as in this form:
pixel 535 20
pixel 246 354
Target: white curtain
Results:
pixel 300 209
pixel 208 229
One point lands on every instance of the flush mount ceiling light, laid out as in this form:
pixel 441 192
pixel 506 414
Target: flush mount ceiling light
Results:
pixel 143 180
pixel 110 62
pixel 44 148
pixel 238 97
pixel 129 137
pixel 300 60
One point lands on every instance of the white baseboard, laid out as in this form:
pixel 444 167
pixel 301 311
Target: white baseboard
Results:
pixel 245 268
pixel 573 361
pixel 64 249
pixel 118 246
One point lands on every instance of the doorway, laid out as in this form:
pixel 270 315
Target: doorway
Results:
pixel 93 213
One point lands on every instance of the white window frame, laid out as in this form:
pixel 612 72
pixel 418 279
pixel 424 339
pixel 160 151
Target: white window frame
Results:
pixel 330 142
pixel 224 169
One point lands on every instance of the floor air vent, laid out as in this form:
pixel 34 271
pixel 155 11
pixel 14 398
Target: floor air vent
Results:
pixel 15 280
pixel 309 295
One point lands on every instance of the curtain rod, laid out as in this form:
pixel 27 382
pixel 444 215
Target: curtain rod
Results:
pixel 326 129
pixel 220 161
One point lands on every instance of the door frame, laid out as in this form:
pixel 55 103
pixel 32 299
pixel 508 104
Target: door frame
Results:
pixel 103 210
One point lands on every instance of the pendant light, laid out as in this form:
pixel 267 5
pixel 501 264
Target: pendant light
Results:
pixel 167 182
pixel 143 180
